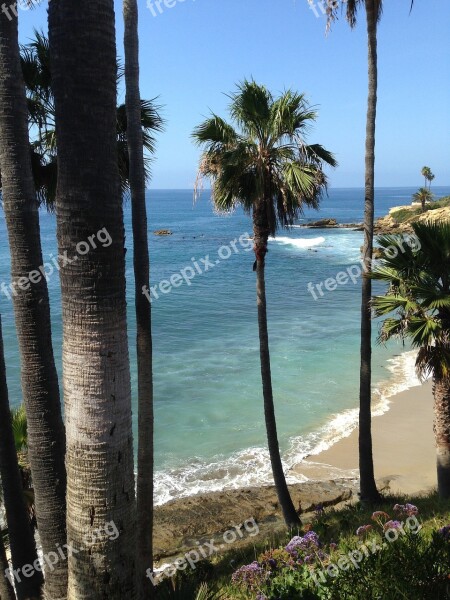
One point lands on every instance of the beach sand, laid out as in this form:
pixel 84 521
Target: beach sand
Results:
pixel 403 443
pixel 404 456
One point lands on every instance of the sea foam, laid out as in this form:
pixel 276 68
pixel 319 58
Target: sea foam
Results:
pixel 251 467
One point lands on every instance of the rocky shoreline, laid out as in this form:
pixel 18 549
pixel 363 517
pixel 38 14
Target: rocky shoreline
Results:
pixel 182 524
pixel 388 224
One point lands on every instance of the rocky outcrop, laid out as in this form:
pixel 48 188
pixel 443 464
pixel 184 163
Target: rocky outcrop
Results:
pixel 323 224
pixel 181 523
pixel 389 224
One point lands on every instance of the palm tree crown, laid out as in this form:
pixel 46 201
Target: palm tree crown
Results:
pixel 35 62
pixel 263 155
pixel 418 294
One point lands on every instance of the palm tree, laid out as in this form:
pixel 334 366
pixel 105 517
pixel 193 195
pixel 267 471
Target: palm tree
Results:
pixel 6 589
pixel 21 538
pixel 428 176
pixel 32 311
pixel 141 261
pixel 35 61
pixel 97 387
pixel 262 163
pixel 373 9
pixel 419 297
pixel 424 196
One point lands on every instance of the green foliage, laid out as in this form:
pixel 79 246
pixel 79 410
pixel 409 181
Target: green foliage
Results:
pixel 20 428
pixel 409 214
pixel 187 590
pixel 262 155
pixel 399 552
pixel 35 62
pixel 417 302
pixel 414 567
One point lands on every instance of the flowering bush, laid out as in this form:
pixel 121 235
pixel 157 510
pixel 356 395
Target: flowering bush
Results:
pixel 390 557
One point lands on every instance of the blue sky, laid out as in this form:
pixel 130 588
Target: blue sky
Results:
pixel 195 51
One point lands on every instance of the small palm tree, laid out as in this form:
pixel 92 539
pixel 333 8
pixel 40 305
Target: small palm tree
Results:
pixel 262 163
pixel 419 297
pixel 424 196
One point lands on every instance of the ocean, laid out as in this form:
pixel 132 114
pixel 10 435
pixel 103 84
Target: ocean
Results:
pixel 210 430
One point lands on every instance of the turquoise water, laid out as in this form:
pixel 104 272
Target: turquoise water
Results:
pixel 209 419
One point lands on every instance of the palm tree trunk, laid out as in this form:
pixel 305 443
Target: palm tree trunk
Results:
pixel 32 310
pixel 6 589
pixel 21 538
pixel 441 390
pixel 260 230
pixel 101 509
pixel 369 492
pixel 141 263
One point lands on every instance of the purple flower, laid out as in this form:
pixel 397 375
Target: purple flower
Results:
pixel 392 525
pixel 333 546
pixel 445 532
pixel 250 576
pixel 363 529
pixel 310 541
pixel 411 510
pixel 406 509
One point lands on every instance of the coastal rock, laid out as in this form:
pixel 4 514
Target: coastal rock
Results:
pixel 392 224
pixel 323 224
pixel 181 523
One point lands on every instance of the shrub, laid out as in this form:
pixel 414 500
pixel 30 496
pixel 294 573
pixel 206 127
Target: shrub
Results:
pixel 391 558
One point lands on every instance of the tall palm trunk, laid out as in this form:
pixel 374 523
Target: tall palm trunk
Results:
pixel 101 523
pixel 6 589
pixel 369 492
pixel 32 310
pixel 142 305
pixel 441 390
pixel 261 233
pixel 21 538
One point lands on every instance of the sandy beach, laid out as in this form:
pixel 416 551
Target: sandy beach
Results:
pixel 403 443
pixel 404 456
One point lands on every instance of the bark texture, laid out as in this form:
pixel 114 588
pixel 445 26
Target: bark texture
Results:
pixel 441 390
pixel 6 589
pixel 101 511
pixel 32 310
pixel 369 492
pixel 261 236
pixel 141 263
pixel 21 537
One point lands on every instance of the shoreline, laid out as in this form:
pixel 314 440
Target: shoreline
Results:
pixel 403 446
pixel 404 459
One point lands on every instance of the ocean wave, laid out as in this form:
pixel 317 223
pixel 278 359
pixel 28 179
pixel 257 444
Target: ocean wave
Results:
pixel 299 242
pixel 251 467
